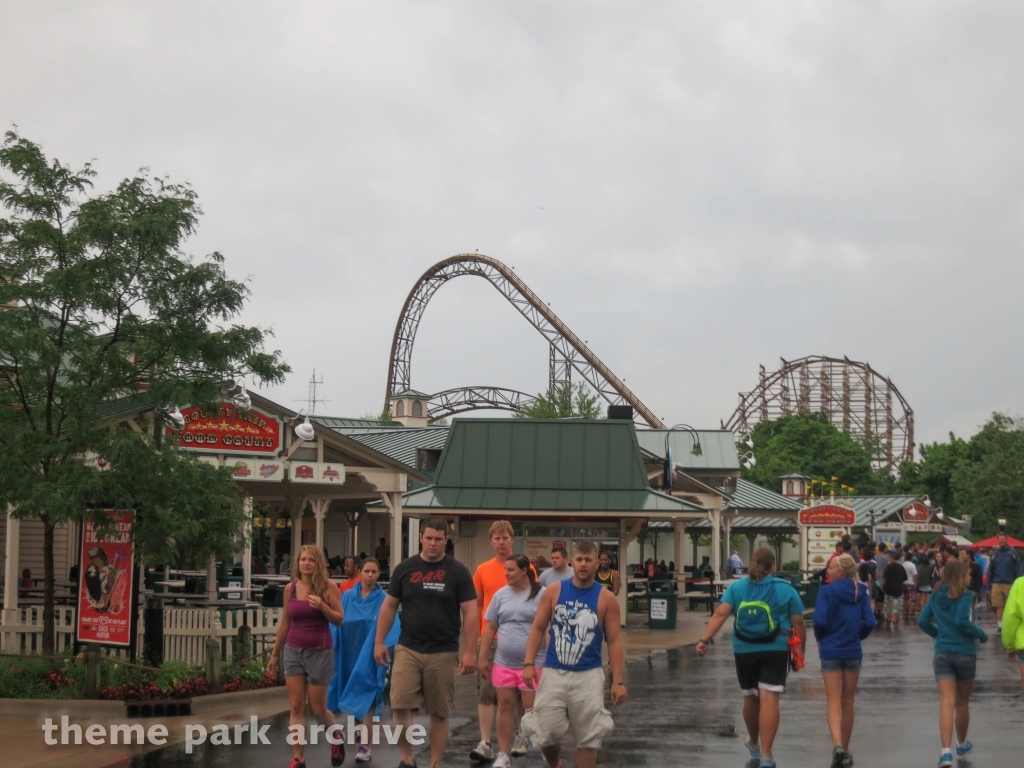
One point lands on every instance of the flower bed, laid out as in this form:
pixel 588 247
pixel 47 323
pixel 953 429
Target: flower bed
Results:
pixel 33 677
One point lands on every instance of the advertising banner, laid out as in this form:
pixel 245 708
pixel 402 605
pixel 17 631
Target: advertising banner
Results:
pixel 916 512
pixel 260 470
pixel 317 472
pixel 105 589
pixel 827 514
pixel 534 546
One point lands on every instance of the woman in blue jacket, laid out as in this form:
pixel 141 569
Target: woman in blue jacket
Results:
pixel 956 655
pixel 842 618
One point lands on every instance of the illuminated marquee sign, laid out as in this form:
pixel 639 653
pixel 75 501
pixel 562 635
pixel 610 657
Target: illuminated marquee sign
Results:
pixel 827 514
pixel 228 430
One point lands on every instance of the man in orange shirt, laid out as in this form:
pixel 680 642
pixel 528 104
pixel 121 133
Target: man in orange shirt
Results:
pixel 488 579
pixel 350 567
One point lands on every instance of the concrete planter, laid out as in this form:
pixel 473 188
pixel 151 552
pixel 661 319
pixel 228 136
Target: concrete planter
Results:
pixel 94 709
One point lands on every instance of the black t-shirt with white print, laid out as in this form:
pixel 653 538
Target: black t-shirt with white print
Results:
pixel 431 595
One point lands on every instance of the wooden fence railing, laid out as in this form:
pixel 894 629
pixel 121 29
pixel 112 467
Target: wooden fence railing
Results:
pixel 186 631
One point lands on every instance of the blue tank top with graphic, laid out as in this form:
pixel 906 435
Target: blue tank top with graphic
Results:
pixel 575 642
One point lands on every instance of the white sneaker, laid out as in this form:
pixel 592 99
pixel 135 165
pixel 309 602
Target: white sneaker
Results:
pixel 482 752
pixel 520 745
pixel 363 754
pixel 502 761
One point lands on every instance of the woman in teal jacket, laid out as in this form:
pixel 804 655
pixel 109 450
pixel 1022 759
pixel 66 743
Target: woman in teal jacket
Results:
pixel 956 655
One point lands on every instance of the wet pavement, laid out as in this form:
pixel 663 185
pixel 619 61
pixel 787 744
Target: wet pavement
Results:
pixel 686 711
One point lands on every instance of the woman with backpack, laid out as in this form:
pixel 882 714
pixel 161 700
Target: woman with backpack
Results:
pixel 767 609
pixel 956 655
pixel 842 618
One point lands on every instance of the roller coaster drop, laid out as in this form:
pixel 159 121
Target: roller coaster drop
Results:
pixel 568 352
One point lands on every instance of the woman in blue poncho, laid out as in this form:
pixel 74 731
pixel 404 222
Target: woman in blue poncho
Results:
pixel 358 686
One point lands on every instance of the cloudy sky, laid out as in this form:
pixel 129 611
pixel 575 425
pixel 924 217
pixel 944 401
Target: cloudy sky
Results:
pixel 696 188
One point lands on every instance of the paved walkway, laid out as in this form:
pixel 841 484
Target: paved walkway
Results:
pixel 687 711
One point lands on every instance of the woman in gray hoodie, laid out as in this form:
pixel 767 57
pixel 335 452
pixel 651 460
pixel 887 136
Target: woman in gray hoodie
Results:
pixel 947 618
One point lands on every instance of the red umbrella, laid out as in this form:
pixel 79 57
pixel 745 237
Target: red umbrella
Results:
pixel 993 542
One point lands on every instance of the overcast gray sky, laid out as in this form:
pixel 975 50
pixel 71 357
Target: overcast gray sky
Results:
pixel 695 187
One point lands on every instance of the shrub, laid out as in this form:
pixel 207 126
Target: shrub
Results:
pixel 792 565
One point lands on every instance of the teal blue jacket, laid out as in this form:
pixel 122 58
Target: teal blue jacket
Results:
pixel 953 630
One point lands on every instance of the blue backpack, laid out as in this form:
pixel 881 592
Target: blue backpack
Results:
pixel 754 621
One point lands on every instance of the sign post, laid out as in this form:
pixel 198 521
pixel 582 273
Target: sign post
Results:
pixel 108 582
pixel 824 524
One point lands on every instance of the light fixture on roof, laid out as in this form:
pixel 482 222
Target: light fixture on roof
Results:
pixel 747 440
pixel 177 418
pixel 748 461
pixel 927 500
pixel 242 399
pixel 305 430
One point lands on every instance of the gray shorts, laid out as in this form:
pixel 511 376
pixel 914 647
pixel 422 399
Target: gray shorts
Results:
pixel 317 664
pixel 955 666
pixel 841 665
pixel 568 700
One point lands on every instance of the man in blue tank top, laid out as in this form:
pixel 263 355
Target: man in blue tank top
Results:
pixel 582 613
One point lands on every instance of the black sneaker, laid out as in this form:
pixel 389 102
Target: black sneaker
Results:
pixel 407 765
pixel 337 754
pixel 839 756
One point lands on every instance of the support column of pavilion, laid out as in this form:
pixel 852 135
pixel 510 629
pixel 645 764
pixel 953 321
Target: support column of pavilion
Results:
pixel 11 575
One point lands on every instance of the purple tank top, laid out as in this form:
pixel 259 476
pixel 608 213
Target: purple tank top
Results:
pixel 309 628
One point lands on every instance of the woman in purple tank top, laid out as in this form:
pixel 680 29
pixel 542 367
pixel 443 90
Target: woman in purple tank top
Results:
pixel 312 602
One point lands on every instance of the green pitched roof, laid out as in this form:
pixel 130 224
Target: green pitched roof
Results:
pixel 718 447
pixel 401 444
pixel 751 496
pixel 347 426
pixel 538 464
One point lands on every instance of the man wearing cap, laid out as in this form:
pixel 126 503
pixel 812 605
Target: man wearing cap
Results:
pixel 1003 569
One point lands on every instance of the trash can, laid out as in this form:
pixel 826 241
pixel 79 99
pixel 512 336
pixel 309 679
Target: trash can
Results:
pixel 230 575
pixel 662 604
pixel 273 596
pixel 152 577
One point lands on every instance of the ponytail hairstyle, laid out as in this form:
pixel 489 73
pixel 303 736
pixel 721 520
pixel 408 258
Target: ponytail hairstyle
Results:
pixel 957 576
pixel 761 564
pixel 849 566
pixel 523 563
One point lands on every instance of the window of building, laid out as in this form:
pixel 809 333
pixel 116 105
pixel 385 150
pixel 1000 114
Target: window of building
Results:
pixel 400 408
pixel 427 458
pixel 789 487
pixel 417 407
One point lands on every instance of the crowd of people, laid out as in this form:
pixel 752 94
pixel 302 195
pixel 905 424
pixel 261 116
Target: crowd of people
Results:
pixel 535 641
pixel 862 587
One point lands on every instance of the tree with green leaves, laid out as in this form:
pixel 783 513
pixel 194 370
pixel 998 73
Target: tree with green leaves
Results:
pixel 988 480
pixel 564 401
pixel 98 303
pixel 811 445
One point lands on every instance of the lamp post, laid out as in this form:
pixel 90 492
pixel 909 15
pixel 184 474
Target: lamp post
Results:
pixel 1002 524
pixel 872 513
pixel 696 450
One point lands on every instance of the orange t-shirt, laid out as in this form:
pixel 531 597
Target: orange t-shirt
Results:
pixel 346 585
pixel 488 579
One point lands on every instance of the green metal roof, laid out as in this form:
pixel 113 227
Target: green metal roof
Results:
pixel 114 410
pixel 892 505
pixel 347 426
pixel 718 448
pixel 751 496
pixel 543 464
pixel 412 393
pixel 401 444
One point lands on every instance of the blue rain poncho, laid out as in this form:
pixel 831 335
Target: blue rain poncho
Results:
pixel 359 680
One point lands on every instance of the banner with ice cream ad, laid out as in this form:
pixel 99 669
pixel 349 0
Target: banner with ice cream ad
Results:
pixel 106 570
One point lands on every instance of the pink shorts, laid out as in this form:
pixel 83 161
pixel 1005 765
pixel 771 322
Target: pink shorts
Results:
pixel 507 677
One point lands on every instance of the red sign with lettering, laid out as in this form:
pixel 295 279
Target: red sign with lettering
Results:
pixel 105 581
pixel 228 430
pixel 915 512
pixel 827 514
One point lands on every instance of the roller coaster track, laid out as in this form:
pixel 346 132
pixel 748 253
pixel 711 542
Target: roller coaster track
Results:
pixel 462 399
pixel 567 351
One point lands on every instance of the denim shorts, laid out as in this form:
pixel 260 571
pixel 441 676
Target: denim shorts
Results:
pixel 1020 656
pixel 840 665
pixel 955 666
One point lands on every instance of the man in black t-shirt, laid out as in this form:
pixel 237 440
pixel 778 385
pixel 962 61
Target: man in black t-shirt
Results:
pixel 893 578
pixel 438 598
